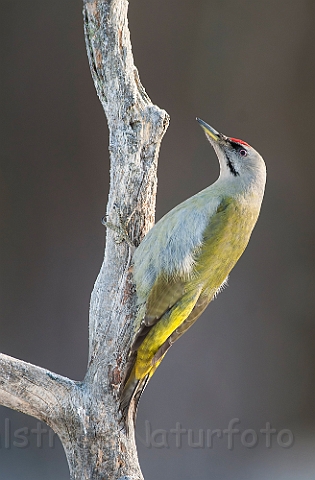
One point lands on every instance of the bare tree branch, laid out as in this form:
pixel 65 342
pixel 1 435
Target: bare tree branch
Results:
pixel 32 390
pixel 86 414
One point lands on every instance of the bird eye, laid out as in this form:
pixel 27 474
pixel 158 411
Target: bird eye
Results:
pixel 243 152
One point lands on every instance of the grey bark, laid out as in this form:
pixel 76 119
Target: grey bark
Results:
pixel 85 415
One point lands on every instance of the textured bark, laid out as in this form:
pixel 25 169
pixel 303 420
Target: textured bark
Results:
pixel 86 414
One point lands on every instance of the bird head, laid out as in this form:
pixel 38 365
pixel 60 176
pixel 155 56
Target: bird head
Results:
pixel 238 161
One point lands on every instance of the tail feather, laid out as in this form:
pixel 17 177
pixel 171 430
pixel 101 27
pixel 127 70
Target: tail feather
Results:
pixel 131 394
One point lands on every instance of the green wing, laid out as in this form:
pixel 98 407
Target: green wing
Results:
pixel 200 306
pixel 163 296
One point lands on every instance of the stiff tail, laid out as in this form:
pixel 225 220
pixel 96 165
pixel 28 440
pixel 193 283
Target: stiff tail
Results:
pixel 131 394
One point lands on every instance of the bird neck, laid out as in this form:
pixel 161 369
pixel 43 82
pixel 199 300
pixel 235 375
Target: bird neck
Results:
pixel 252 186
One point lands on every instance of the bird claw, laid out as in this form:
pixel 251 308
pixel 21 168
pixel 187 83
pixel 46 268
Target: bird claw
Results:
pixel 121 230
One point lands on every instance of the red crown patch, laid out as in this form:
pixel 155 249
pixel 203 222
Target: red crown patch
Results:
pixel 237 140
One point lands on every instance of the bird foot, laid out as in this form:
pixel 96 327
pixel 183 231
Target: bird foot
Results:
pixel 121 230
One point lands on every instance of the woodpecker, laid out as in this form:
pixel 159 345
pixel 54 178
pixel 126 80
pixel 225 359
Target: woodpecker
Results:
pixel 185 259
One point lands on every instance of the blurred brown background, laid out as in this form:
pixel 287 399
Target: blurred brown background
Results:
pixel 247 68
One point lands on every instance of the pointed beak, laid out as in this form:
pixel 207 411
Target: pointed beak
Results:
pixel 211 132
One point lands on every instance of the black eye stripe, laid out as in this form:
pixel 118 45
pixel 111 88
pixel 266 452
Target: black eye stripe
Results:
pixel 238 147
